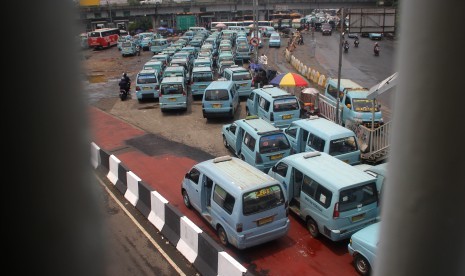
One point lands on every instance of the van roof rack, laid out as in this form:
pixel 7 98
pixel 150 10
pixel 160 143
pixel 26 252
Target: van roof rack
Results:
pixel 222 159
pixel 268 86
pixel 313 117
pixel 311 154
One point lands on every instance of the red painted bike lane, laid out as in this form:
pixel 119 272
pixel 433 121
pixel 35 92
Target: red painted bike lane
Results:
pixel 295 254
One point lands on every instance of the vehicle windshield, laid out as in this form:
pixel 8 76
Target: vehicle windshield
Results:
pixel 216 95
pixel 94 34
pixel 241 76
pixel 364 105
pixel 145 79
pixel 288 104
pixel 126 44
pixel 343 145
pixel 276 37
pixel 262 199
pixel 202 76
pixel 159 43
pixel 171 89
pixel 357 197
pixel 273 143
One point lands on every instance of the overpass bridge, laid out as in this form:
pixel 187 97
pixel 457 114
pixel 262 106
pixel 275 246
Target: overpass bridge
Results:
pixel 204 10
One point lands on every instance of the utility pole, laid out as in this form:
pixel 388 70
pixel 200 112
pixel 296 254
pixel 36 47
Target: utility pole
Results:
pixel 340 66
pixel 109 12
pixel 255 27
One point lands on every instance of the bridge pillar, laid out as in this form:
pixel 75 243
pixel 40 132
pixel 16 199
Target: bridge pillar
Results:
pixel 155 21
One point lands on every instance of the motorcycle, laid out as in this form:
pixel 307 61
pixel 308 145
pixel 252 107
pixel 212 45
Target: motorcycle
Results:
pixel 346 48
pixel 124 92
pixel 356 42
pixel 376 51
pixel 138 50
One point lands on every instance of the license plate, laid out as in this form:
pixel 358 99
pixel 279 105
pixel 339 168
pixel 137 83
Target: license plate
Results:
pixel 358 217
pixel 145 88
pixel 275 157
pixel 288 116
pixel 264 221
pixel 216 105
pixel 243 84
pixel 172 99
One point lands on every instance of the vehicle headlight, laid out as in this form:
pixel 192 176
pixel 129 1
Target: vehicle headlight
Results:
pixel 350 241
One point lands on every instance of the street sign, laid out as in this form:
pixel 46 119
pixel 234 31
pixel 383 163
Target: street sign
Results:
pixel 254 41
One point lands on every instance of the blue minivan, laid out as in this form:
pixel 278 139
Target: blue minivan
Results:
pixel 256 141
pixel 220 100
pixel 274 105
pixel 147 84
pixel 173 93
pixel 201 78
pixel 245 206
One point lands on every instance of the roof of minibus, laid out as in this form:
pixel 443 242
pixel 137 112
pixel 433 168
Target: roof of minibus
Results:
pixel 324 128
pixel 258 125
pixel 236 172
pixel 328 170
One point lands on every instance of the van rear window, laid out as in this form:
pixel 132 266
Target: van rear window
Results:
pixel 171 89
pixel 357 197
pixel 242 76
pixel 216 95
pixel 202 77
pixel 273 143
pixel 144 79
pixel 262 199
pixel 288 104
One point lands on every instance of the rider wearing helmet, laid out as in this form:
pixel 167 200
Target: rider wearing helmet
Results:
pixel 125 82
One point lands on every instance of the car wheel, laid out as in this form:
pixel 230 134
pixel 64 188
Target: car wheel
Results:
pixel 312 227
pixel 225 143
pixel 186 199
pixel 361 265
pixel 223 236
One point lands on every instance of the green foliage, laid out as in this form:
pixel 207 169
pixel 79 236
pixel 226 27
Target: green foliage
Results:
pixel 133 2
pixel 143 22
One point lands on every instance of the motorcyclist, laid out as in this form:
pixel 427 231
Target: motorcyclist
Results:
pixel 125 82
pixel 356 42
pixel 346 46
pixel 376 48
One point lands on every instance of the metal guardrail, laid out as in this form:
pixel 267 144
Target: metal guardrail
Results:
pixel 374 144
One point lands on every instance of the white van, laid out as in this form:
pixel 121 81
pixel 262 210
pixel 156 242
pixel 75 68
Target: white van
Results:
pixel 332 197
pixel 244 205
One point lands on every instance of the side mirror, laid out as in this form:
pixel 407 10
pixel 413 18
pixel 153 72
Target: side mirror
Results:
pixel 227 128
pixel 273 169
pixel 186 175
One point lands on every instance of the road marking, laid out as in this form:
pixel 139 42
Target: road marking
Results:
pixel 157 246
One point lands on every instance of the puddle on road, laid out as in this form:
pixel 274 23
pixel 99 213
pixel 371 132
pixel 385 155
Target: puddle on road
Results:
pixel 96 78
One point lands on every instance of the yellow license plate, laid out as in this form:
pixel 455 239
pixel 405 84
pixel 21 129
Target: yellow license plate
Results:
pixel 264 221
pixel 347 161
pixel 358 217
pixel 145 88
pixel 277 156
pixel 172 99
pixel 243 84
pixel 216 105
pixel 285 117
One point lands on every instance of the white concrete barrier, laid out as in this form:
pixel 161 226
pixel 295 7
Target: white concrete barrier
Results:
pixel 94 155
pixel 132 193
pixel 157 210
pixel 188 243
pixel 228 266
pixel 113 172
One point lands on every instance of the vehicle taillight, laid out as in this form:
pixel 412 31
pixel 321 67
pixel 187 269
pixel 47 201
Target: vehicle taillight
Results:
pixel 137 88
pixel 336 210
pixel 271 116
pixel 239 227
pixel 157 86
pixel 258 158
pixel 184 93
pixel 286 205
